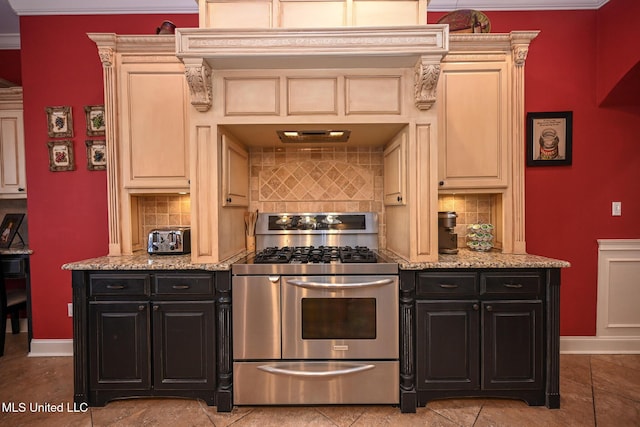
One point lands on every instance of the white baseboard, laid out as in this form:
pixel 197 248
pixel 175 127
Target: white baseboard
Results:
pixel 23 325
pixel 600 345
pixel 568 345
pixel 50 347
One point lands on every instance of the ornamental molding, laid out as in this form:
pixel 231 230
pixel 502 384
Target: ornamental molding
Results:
pixel 198 74
pixel 427 74
pixel 348 46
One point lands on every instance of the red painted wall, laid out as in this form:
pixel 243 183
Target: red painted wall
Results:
pixel 67 211
pixel 10 66
pixel 568 207
pixel 618 52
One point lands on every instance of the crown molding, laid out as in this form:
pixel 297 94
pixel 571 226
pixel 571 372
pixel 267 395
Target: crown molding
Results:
pixel 10 41
pixel 82 7
pixel 113 7
pixel 484 5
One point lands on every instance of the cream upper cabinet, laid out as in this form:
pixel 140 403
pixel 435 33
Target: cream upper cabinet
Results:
pixel 235 174
pixel 395 171
pixel 153 128
pixel 473 99
pixel 12 163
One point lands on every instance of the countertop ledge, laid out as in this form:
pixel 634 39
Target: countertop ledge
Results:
pixel 144 261
pixel 472 259
pixel 464 259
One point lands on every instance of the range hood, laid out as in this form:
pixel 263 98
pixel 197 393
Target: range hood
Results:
pixel 205 50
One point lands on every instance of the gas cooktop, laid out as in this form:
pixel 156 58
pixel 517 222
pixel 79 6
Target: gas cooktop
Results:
pixel 315 255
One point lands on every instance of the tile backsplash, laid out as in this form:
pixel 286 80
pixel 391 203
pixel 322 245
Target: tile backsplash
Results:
pixel 471 209
pixel 164 211
pixel 316 180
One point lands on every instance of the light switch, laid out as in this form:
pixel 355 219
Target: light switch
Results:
pixel 616 208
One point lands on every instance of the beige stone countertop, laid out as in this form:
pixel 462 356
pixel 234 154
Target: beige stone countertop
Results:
pixel 466 258
pixel 16 250
pixel 144 261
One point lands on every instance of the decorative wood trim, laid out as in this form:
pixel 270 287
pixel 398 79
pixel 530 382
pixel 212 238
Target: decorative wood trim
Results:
pixel 427 73
pixel 198 74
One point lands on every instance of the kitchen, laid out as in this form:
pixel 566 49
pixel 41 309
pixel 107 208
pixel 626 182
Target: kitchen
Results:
pixel 247 87
pixel 98 252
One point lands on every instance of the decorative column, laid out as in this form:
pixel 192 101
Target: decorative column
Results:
pixel 520 41
pixel 106 50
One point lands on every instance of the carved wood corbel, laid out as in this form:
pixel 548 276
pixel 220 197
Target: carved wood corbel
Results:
pixel 198 74
pixel 427 74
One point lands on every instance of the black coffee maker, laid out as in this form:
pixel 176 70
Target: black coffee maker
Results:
pixel 447 239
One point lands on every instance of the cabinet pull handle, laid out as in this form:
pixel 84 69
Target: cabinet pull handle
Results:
pixel 399 198
pixel 116 286
pixel 228 199
pixel 141 307
pixel 476 307
pixel 181 286
pixel 20 189
pixel 447 286
pixel 512 285
pixel 489 308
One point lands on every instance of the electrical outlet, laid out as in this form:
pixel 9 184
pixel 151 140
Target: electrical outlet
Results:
pixel 70 309
pixel 616 208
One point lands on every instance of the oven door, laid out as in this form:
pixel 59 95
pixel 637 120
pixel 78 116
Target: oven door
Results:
pixel 340 317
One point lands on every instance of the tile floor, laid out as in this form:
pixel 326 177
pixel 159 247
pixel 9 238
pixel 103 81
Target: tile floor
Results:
pixel 596 390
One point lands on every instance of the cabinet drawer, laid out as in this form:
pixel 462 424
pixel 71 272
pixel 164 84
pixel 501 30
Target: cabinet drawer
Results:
pixel 183 284
pixel 119 284
pixel 447 284
pixel 13 267
pixel 511 284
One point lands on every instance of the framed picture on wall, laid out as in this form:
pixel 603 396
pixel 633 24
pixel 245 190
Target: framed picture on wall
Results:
pixel 96 155
pixel 95 120
pixel 9 229
pixel 61 156
pixel 60 122
pixel 549 138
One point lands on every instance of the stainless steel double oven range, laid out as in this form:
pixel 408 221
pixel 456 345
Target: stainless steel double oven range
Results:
pixel 315 313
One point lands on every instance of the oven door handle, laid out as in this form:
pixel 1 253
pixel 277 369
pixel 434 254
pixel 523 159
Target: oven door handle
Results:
pixel 352 369
pixel 326 285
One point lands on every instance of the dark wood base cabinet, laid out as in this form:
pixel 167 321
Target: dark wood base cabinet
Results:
pixel 150 334
pixel 480 333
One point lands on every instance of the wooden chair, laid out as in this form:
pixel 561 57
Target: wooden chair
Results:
pixel 11 302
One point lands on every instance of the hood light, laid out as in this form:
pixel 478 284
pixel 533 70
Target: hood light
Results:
pixel 290 136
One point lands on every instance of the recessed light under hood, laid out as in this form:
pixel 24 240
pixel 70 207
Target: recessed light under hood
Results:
pixel 311 136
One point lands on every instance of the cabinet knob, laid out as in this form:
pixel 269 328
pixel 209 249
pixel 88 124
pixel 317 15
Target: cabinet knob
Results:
pixel 20 189
pixel 141 307
pixel 476 307
pixel 228 199
pixel 156 307
pixel 489 308
pixel 399 198
pixel 441 183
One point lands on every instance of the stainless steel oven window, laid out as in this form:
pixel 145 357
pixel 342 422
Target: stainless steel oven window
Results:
pixel 338 318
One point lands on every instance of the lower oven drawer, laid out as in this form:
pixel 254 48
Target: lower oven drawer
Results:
pixel 316 383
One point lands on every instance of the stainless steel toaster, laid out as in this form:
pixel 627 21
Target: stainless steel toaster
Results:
pixel 173 241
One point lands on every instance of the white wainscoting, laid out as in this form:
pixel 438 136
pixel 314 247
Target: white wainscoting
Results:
pixel 618 312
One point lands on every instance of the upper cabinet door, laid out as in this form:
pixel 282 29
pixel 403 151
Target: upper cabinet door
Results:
pixel 12 166
pixel 235 174
pixel 154 125
pixel 474 125
pixel 395 171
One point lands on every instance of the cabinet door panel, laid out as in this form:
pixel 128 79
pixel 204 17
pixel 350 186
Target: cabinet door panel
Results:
pixel 154 129
pixel 119 345
pixel 513 347
pixel 12 166
pixel 447 345
pixel 395 170
pixel 473 140
pixel 184 342
pixel 235 174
